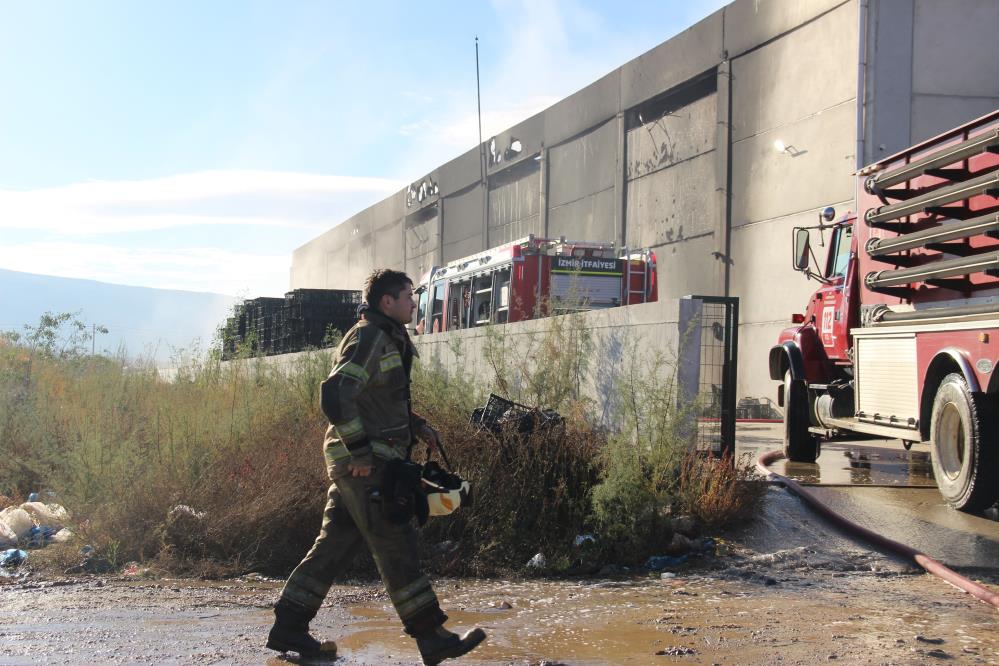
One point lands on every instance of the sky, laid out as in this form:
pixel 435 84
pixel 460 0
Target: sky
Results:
pixel 195 145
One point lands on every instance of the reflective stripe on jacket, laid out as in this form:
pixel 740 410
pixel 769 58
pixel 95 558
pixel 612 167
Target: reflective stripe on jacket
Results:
pixel 366 396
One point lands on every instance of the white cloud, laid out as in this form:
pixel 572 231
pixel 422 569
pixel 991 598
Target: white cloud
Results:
pixel 259 198
pixel 192 269
pixel 75 216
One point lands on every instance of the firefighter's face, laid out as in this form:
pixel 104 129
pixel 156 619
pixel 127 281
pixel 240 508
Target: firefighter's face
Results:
pixel 399 309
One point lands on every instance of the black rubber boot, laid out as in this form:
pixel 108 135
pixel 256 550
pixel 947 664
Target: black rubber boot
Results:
pixel 440 644
pixel 290 632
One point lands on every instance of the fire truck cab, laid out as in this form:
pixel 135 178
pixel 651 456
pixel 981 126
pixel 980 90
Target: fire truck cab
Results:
pixel 532 277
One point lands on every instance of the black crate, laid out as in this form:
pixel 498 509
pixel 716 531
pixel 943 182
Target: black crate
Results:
pixel 501 414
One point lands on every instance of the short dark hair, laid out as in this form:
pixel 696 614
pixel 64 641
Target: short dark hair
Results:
pixel 384 281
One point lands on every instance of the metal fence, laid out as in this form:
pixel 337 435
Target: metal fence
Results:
pixel 711 335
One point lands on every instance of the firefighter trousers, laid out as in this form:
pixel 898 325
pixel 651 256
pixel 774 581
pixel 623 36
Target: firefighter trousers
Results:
pixel 353 518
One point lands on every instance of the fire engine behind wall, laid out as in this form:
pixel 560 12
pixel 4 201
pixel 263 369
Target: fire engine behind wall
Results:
pixel 902 338
pixel 532 277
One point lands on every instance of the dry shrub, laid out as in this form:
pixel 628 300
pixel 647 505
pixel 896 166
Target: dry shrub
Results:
pixel 718 491
pixel 530 494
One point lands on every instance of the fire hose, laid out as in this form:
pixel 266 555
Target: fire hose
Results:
pixel 925 561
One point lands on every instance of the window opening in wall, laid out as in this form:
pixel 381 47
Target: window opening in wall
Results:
pixel 659 107
pixel 514 173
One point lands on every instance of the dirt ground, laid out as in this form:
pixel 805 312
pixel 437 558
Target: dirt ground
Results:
pixel 785 590
pixel 778 609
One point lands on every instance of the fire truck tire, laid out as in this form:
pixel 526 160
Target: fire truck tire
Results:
pixel 964 450
pixel 799 444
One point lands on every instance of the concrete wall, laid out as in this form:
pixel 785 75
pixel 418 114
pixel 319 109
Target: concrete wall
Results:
pixel 675 150
pixel 809 104
pixel 931 65
pixel 654 329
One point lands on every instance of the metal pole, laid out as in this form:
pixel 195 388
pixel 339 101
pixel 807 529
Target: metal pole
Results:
pixel 478 97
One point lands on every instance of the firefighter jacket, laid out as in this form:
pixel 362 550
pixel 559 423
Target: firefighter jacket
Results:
pixel 366 396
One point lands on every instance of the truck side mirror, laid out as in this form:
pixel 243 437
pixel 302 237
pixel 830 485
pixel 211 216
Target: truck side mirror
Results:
pixel 801 249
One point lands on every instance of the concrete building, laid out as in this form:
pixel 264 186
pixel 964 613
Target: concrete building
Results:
pixel 678 150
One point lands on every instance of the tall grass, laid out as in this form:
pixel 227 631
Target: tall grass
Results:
pixel 240 444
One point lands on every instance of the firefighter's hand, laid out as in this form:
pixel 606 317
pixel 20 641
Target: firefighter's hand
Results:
pixel 431 437
pixel 358 469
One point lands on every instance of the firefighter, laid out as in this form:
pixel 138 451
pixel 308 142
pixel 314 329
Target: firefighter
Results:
pixel 367 401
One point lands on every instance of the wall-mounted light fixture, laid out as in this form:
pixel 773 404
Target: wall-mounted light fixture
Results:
pixel 787 149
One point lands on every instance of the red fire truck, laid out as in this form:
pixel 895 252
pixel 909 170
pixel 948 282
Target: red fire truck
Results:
pixel 898 340
pixel 533 277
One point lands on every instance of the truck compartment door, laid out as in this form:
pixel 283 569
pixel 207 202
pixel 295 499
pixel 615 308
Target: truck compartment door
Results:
pixel 886 378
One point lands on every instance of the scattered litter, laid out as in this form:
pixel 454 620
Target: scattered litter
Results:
pixel 667 575
pixel 186 528
pixel 931 641
pixel 583 538
pixel 18 520
pixel 92 564
pixel 537 562
pixel 12 557
pixel 40 536
pixel 33 524
pixel 181 510
pixel 134 569
pixel 62 536
pixel 52 515
pixel 660 562
pixel 7 536
pixel 676 651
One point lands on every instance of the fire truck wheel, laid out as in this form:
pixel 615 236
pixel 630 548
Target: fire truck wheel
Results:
pixel 799 444
pixel 965 455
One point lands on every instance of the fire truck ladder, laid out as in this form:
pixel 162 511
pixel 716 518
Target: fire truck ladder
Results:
pixel 628 291
pixel 935 237
pixel 880 217
pixel 936 273
pixel 932 164
pixel 948 223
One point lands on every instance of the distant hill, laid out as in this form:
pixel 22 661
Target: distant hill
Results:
pixel 145 322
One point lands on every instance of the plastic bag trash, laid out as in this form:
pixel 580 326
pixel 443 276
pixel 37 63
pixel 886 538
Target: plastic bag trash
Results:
pixel 62 536
pixel 660 562
pixel 134 569
pixel 7 536
pixel 40 535
pixel 583 538
pixel 18 520
pixel 538 562
pixel 52 515
pixel 12 557
pixel 33 497
pixel 182 510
